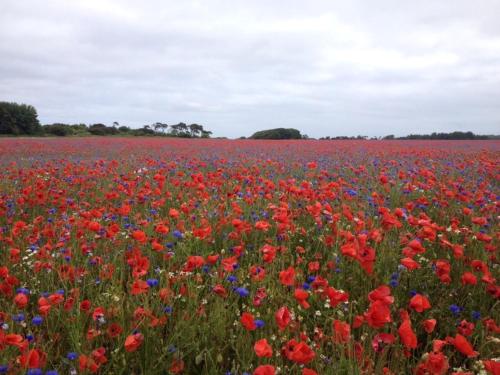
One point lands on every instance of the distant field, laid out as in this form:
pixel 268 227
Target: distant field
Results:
pixel 155 256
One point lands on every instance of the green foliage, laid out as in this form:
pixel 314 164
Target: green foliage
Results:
pixel 278 133
pixel 19 119
pixel 101 129
pixel 453 135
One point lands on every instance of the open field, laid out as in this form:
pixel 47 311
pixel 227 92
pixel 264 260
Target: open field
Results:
pixel 165 256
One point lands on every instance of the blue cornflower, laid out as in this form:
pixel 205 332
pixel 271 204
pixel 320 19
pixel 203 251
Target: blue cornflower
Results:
pixel 306 286
pixel 23 291
pixel 476 315
pixel 310 279
pixel 232 278
pixel 168 310
pixel 52 372
pixel 37 320
pixel 18 318
pixel 171 349
pixel 413 293
pixel 152 282
pixel 177 234
pixel 4 369
pixel 30 337
pixel 34 371
pixel 455 310
pixel 259 323
pixel 243 292
pixel 393 283
pixel 72 356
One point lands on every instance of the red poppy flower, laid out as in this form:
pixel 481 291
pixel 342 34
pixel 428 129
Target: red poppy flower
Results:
pixel 263 349
pixel 12 339
pixel 133 342
pixel 139 287
pixel 382 294
pixel 114 330
pixel 436 363
pixel 262 225
pixel 220 291
pixel 468 278
pixel 492 366
pixel 466 328
pixel 264 370
pixel 247 320
pixel 378 314
pixel 177 366
pixel 139 236
pixel 301 353
pixel 419 303
pixel 33 358
pixel 341 331
pixel 429 325
pixel 301 296
pixel 464 346
pixel 406 335
pixel 287 277
pixel 282 317
pixel 410 264
pixel 21 300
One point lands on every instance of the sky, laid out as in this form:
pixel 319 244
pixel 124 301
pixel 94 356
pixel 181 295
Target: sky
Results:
pixel 327 68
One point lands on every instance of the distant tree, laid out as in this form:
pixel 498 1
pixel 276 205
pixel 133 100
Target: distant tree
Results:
pixel 159 126
pixel 206 133
pixel 123 129
pixel 195 130
pixel 390 136
pixel 19 119
pixel 278 133
pixel 57 129
pixel 145 130
pixel 180 130
pixel 457 135
pixel 101 129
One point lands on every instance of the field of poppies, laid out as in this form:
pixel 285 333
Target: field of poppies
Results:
pixel 164 256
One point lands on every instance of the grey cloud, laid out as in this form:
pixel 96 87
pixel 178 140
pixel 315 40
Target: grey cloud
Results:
pixel 355 67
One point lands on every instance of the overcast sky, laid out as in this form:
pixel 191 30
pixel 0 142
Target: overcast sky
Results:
pixel 324 67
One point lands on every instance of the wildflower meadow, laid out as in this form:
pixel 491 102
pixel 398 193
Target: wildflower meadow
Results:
pixel 171 256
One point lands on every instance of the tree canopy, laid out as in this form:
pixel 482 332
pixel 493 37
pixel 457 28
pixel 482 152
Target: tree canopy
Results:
pixel 278 133
pixel 19 119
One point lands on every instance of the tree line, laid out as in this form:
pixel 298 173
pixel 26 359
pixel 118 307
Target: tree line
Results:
pixel 457 135
pixel 21 119
pixel 451 136
pixel 180 130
